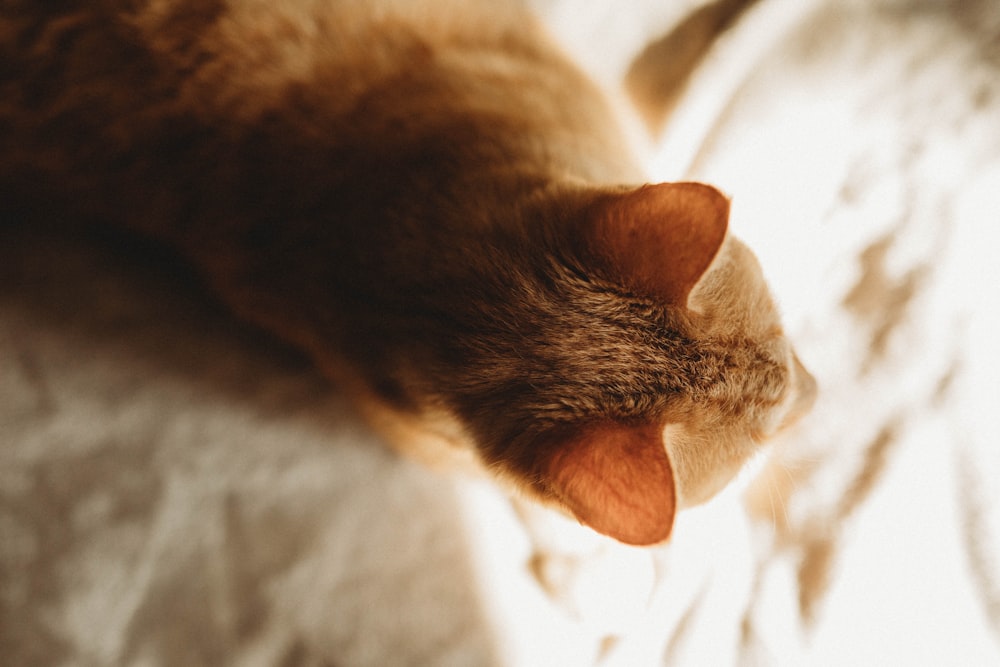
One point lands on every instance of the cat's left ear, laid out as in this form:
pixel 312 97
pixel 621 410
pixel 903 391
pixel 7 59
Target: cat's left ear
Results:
pixel 617 479
pixel 659 239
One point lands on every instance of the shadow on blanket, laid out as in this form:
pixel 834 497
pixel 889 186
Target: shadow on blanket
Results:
pixel 175 489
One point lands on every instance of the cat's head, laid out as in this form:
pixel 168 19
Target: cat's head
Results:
pixel 634 363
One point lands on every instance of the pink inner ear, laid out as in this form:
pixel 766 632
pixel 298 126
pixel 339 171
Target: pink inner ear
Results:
pixel 617 480
pixel 659 239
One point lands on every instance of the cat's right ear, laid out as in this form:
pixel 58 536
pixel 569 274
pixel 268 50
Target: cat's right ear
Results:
pixel 656 240
pixel 615 478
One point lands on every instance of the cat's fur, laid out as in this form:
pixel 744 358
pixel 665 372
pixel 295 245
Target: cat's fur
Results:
pixel 430 200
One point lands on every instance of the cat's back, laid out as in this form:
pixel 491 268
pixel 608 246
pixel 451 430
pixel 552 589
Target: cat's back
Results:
pixel 89 87
pixel 180 102
pixel 192 111
pixel 237 57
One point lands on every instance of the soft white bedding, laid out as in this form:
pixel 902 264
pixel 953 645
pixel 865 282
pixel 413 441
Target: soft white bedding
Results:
pixel 175 490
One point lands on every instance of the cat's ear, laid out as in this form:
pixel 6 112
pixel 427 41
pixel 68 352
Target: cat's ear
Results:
pixel 617 480
pixel 659 239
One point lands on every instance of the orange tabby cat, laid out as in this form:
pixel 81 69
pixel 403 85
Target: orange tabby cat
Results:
pixel 430 200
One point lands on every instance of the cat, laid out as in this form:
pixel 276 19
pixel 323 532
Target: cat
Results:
pixel 436 205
